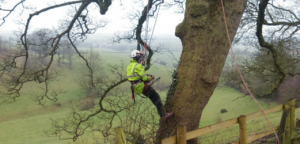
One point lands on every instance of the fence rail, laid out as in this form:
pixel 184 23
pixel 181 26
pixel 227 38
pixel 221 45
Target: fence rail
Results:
pixel 222 125
pixel 286 127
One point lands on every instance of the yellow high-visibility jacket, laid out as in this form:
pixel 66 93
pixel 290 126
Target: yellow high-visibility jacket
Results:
pixel 135 72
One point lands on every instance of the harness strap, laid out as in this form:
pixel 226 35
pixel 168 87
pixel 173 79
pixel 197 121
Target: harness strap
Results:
pixel 135 82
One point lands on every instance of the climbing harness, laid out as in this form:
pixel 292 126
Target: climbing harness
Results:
pixel 133 85
pixel 242 76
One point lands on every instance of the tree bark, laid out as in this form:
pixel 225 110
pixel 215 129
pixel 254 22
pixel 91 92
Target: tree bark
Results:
pixel 205 48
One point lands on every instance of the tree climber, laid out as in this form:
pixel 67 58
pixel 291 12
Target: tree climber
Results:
pixel 139 83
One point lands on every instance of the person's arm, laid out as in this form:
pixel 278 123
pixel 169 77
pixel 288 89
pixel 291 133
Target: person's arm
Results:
pixel 141 72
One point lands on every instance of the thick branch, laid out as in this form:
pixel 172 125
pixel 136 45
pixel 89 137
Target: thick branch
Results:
pixel 260 20
pixel 262 42
pixel 282 23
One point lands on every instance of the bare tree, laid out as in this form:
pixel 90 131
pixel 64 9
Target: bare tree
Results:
pixel 277 58
pixel 288 32
pixel 40 43
pixel 89 77
pixel 75 28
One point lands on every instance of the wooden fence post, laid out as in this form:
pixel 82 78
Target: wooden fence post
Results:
pixel 283 124
pixel 292 104
pixel 120 135
pixel 243 129
pixel 287 132
pixel 181 134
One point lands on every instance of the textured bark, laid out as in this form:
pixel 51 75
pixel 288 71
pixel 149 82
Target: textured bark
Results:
pixel 205 48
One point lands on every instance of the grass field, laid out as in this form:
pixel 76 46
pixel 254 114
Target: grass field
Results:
pixel 24 121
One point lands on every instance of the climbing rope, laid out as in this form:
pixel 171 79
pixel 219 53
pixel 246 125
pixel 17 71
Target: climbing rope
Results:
pixel 154 23
pixel 146 29
pixel 242 76
pixel 146 32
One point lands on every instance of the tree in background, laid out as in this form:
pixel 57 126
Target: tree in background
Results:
pixel 276 59
pixel 290 30
pixel 5 45
pixel 70 53
pixel 89 77
pixel 40 42
pixel 1 44
pixel 265 72
pixel 230 76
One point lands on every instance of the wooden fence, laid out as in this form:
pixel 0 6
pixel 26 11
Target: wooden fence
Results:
pixel 286 127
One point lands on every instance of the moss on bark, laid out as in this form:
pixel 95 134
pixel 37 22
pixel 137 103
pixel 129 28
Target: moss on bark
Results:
pixel 205 47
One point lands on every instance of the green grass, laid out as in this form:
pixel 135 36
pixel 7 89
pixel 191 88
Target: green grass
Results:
pixel 29 129
pixel 233 102
pixel 24 121
pixel 255 126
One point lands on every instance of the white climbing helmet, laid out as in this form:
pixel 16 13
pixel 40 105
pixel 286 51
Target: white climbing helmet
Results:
pixel 136 53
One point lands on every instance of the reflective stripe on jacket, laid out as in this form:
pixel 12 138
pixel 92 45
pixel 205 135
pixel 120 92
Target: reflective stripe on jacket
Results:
pixel 135 72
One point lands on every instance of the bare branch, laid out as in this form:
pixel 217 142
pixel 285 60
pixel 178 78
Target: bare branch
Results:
pixel 10 11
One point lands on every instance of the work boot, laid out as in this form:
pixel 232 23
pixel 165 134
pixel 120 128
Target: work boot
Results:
pixel 165 117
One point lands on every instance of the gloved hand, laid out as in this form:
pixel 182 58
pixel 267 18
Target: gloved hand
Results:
pixel 150 79
pixel 149 75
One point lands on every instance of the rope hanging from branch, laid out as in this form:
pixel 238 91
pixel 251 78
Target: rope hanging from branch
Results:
pixel 242 76
pixel 147 46
pixel 146 33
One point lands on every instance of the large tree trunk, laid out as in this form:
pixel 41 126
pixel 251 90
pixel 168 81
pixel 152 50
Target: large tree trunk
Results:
pixel 205 48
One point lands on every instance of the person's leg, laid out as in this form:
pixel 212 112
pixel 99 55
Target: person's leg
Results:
pixel 155 98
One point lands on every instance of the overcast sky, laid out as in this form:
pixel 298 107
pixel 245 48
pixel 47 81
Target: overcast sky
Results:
pixel 116 14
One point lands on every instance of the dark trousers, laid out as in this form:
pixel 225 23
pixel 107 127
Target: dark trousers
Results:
pixel 155 98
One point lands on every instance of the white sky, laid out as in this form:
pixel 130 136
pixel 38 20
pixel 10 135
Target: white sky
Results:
pixel 166 23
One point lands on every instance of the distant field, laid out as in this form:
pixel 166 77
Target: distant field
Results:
pixel 24 121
